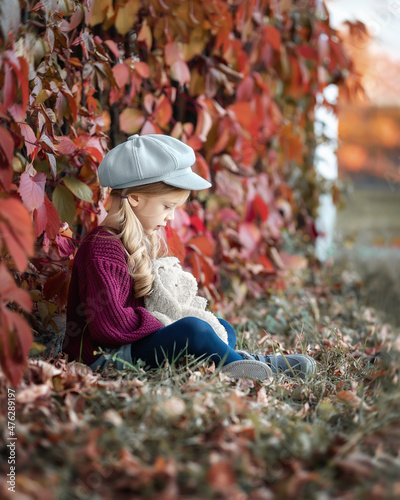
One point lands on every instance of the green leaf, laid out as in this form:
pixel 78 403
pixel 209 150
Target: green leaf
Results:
pixel 36 349
pixel 64 203
pixel 79 188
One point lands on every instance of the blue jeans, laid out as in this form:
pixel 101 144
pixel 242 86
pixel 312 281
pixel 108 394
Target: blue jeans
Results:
pixel 188 335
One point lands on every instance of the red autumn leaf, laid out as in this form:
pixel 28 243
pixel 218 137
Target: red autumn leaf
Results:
pixel 307 52
pixel 249 236
pixel 243 113
pixel 202 244
pixel 31 189
pixel 20 67
pixel 113 47
pixel 201 167
pixel 9 88
pixel 261 207
pixel 121 74
pixel 6 156
pixel 40 219
pixel 16 341
pixel 223 137
pixel 30 138
pixel 53 219
pixel 197 223
pixel 207 275
pixel 273 36
pixel 194 262
pixel 46 218
pixel 175 245
pixel 3 111
pixel 163 112
pixel 16 231
pixel 264 260
pixel 142 69
pixel 57 286
pixel 195 142
pixel 15 333
pixel 66 146
pixel 220 476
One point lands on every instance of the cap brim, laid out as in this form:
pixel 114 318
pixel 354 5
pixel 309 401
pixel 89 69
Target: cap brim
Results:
pixel 190 181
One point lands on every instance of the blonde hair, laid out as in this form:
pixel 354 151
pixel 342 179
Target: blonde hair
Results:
pixel 141 248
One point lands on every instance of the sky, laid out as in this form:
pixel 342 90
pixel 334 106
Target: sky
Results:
pixel 382 18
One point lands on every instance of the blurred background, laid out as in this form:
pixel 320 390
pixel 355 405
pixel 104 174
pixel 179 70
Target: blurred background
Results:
pixel 367 226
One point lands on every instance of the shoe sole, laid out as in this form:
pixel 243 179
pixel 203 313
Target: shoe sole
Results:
pixel 255 370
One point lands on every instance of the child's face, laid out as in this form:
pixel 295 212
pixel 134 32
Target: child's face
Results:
pixel 154 212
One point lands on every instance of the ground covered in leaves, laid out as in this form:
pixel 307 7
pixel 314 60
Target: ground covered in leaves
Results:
pixel 187 431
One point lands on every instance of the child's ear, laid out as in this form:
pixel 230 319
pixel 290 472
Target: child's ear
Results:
pixel 133 200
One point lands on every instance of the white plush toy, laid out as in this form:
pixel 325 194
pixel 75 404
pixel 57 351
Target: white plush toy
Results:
pixel 174 296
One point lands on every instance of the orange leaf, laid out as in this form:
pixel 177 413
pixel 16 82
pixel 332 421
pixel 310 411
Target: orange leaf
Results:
pixel 16 231
pixel 264 260
pixel 203 244
pixel 6 156
pixel 142 69
pixel 349 398
pixel 243 113
pixel 295 148
pixel 220 476
pixel 207 272
pixel 201 167
pixel 121 74
pixel 15 342
pixel 175 245
pixel 273 36
pixel 131 120
pixel 195 142
pixel 163 112
pixel 194 261
pixel 145 35
pixel 66 146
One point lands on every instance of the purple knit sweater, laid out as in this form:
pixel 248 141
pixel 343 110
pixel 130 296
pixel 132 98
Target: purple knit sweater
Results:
pixel 101 296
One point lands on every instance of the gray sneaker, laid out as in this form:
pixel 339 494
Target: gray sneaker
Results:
pixel 292 365
pixel 247 368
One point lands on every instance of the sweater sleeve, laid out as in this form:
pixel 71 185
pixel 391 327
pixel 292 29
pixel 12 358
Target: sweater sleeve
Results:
pixel 113 314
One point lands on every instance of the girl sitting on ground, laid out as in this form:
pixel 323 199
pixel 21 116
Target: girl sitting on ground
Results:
pixel 150 177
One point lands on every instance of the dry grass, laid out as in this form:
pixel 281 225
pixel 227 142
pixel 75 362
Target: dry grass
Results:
pixel 185 431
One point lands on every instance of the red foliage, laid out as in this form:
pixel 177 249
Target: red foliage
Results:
pixel 237 81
